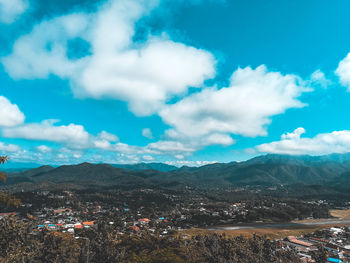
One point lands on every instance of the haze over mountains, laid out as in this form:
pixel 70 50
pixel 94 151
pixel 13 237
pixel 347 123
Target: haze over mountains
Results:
pixel 267 170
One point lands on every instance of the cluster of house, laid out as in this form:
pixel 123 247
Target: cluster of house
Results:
pixel 66 227
pixel 2 215
pixel 335 240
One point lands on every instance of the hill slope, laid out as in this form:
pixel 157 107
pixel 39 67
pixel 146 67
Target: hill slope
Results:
pixel 263 170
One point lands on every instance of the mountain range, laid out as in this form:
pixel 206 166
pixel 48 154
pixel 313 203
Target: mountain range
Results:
pixel 267 170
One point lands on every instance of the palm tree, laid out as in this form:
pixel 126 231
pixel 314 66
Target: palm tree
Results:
pixel 3 159
pixel 5 198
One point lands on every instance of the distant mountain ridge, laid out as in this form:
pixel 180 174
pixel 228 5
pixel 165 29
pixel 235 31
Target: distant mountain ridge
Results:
pixel 162 167
pixel 261 170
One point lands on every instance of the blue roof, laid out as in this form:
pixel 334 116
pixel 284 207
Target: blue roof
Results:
pixel 334 260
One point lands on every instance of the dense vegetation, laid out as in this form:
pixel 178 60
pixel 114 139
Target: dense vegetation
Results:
pixel 6 199
pixel 19 244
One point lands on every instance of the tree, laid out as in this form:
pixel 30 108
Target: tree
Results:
pixel 60 247
pixel 5 198
pixel 321 255
pixel 3 159
pixel 17 243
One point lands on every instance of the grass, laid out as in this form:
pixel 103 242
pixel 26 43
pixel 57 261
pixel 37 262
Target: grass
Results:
pixel 344 214
pixel 276 233
pixel 272 233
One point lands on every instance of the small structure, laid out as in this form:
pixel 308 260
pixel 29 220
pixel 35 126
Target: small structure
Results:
pixel 78 226
pixel 294 240
pixel 144 221
pixel 89 223
pixel 335 260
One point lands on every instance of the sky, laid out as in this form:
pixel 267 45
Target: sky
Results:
pixel 183 82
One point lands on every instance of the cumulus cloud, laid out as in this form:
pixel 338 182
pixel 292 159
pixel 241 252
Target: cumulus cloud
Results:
pixel 107 136
pixel 190 163
pixel 343 71
pixel 44 50
pixel 319 78
pixel 244 108
pixel 159 148
pixel 72 135
pixel 295 135
pixel 43 149
pixel 324 143
pixel 9 148
pixel 10 10
pixel 10 114
pixel 146 132
pixel 145 75
pixel 148 158
pixel 169 147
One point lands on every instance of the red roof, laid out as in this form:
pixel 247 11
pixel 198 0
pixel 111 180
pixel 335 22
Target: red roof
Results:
pixel 8 214
pixel 144 220
pixel 88 223
pixel 299 242
pixel 135 228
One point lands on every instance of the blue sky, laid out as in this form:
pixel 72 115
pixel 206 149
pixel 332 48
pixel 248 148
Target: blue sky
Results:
pixel 182 82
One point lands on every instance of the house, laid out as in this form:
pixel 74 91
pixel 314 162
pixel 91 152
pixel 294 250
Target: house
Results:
pixel 135 228
pixel 294 240
pixel 88 223
pixel 62 210
pixel 144 221
pixel 78 226
pixel 335 260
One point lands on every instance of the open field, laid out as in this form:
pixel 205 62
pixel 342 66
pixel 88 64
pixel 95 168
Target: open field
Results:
pixel 339 214
pixel 272 233
pixel 344 214
pixel 275 233
pixel 296 228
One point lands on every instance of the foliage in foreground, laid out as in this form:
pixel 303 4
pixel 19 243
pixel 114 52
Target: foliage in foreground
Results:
pixel 5 198
pixel 20 244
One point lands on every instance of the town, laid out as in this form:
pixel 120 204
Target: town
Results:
pixel 164 213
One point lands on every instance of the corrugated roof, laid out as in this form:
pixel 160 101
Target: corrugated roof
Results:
pixel 299 242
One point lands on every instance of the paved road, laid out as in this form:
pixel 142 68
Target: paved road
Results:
pixel 280 225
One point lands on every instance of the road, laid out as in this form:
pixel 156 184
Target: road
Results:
pixel 281 225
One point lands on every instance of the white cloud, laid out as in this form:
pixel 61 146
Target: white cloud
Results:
pixel 107 137
pixel 293 135
pixel 343 71
pixel 244 108
pixel 319 78
pixel 148 158
pixel 190 163
pixel 44 50
pixel 170 147
pixel 146 132
pixel 72 135
pixel 8 148
pixel 179 156
pixel 43 149
pixel 324 143
pixel 145 75
pixel 10 10
pixel 10 115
